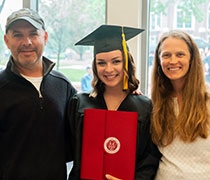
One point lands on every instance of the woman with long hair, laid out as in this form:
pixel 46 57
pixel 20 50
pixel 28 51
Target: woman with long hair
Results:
pixel 114 82
pixel 181 109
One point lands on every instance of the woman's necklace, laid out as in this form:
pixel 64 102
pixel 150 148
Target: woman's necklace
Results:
pixel 113 103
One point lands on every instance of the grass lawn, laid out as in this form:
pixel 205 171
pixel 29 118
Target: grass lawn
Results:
pixel 74 75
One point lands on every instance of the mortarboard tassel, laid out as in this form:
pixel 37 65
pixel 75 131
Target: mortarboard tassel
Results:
pixel 125 79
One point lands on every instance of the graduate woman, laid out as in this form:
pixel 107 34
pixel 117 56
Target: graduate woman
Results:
pixel 114 82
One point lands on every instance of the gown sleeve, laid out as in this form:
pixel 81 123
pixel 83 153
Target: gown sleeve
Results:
pixel 75 125
pixel 76 109
pixel 148 155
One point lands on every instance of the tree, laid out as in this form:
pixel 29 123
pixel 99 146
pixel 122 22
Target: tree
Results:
pixel 193 7
pixel 69 20
pixel 56 16
pixel 187 6
pixel 92 16
pixel 158 6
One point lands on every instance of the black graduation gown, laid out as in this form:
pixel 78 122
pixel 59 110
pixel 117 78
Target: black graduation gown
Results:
pixel 147 154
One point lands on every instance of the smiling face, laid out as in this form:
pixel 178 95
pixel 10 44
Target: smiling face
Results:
pixel 110 70
pixel 174 58
pixel 26 44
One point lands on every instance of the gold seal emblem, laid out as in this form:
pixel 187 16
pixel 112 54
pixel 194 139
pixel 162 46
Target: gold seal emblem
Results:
pixel 111 145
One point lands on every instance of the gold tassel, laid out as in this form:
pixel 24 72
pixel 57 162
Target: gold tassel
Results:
pixel 125 79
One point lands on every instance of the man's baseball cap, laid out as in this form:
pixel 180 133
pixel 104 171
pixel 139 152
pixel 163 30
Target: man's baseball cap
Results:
pixel 28 15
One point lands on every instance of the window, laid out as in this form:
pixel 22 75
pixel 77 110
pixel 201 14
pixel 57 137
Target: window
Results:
pixel 184 19
pixel 156 19
pixel 208 13
pixel 191 16
pixel 6 8
pixel 67 21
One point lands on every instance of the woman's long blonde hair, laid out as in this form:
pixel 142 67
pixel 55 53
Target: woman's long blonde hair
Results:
pixel 193 117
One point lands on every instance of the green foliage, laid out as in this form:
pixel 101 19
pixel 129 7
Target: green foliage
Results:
pixel 69 20
pixel 85 17
pixel 56 25
pixel 187 6
pixel 159 6
pixel 192 7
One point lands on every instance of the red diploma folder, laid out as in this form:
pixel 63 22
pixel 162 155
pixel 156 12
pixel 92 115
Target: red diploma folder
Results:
pixel 109 144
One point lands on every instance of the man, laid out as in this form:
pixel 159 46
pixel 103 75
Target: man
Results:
pixel 86 80
pixel 33 126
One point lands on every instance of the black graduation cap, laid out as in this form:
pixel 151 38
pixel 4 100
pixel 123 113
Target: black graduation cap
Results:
pixel 108 37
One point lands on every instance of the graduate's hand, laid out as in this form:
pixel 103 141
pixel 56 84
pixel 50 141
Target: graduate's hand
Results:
pixel 109 177
pixel 137 92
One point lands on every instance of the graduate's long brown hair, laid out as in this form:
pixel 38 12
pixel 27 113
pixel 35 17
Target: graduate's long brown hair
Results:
pixel 193 118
